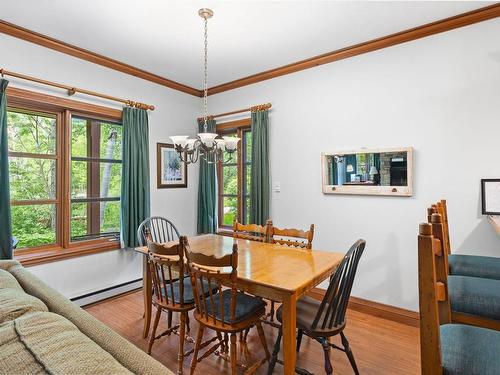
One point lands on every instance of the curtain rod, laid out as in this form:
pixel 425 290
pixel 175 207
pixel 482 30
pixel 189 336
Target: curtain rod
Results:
pixel 73 90
pixel 260 107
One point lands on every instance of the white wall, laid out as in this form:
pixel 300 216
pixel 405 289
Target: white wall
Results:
pixel 440 95
pixel 175 113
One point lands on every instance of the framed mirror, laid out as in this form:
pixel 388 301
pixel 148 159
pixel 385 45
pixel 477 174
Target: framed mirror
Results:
pixel 369 172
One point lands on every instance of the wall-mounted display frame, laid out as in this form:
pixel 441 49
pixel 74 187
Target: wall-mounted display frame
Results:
pixel 490 196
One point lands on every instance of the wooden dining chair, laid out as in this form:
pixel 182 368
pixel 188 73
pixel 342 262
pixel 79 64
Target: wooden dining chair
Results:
pixel 291 237
pixel 473 300
pixel 447 348
pixel 226 310
pixel 156 229
pixel 172 292
pixel 253 232
pixel 325 319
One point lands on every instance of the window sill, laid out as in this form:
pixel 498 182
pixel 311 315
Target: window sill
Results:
pixel 225 232
pixel 31 257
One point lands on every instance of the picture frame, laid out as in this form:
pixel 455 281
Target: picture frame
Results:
pixel 171 172
pixel 490 196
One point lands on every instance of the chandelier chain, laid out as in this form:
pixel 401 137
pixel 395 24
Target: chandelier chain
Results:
pixel 205 78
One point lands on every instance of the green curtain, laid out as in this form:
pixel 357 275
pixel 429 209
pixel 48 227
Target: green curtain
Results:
pixel 6 227
pixel 260 184
pixel 207 190
pixel 135 204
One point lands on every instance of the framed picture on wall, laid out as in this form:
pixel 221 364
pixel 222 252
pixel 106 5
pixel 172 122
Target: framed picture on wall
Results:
pixel 171 172
pixel 490 196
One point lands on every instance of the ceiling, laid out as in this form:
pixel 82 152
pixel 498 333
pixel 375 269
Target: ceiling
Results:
pixel 165 37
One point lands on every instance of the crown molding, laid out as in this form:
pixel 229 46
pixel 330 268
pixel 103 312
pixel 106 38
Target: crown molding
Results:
pixel 446 24
pixel 440 26
pixel 69 49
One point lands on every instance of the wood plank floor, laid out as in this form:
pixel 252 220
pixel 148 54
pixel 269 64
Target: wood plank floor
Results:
pixel 381 347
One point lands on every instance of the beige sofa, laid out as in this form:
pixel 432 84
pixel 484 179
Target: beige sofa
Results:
pixel 41 331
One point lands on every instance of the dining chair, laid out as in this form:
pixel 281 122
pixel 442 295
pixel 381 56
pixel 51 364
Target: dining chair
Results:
pixel 172 292
pixel 253 232
pixel 156 229
pixel 226 310
pixel 473 300
pixel 325 319
pixel 447 348
pixel 291 237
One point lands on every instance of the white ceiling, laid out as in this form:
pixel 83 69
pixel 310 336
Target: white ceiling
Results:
pixel 245 37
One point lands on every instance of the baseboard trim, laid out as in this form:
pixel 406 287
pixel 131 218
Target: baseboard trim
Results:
pixel 377 309
pixel 107 293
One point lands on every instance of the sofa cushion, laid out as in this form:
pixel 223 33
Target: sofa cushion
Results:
pixel 475 266
pixel 49 343
pixel 14 303
pixel 468 350
pixel 7 280
pixel 475 296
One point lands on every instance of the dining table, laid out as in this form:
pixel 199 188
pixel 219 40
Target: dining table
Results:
pixel 276 272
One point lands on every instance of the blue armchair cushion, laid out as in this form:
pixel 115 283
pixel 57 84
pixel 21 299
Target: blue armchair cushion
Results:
pixel 475 296
pixel 468 350
pixel 246 306
pixel 475 266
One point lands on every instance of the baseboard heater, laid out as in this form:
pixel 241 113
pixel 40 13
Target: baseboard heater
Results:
pixel 112 291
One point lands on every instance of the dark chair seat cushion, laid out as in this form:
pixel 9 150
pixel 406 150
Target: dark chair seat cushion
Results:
pixel 474 266
pixel 468 350
pixel 246 306
pixel 307 308
pixel 475 296
pixel 188 291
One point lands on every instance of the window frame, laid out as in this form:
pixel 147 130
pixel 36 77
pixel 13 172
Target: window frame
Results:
pixel 25 100
pixel 240 127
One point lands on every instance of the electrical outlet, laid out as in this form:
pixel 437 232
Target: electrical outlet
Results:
pixel 277 187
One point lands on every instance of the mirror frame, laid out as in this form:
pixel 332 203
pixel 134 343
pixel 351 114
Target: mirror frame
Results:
pixel 401 191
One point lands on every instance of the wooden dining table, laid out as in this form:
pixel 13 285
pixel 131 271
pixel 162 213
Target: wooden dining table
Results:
pixel 267 270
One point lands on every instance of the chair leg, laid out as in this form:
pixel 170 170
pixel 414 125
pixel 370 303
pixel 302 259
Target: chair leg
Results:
pixel 300 333
pixel 262 337
pixel 194 360
pixel 234 363
pixel 182 336
pixel 348 351
pixel 169 321
pixel 274 357
pixel 188 328
pixel 155 326
pixel 326 350
pixel 271 317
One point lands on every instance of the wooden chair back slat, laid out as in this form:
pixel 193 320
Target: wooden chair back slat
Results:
pixel 332 310
pixel 214 273
pixel 291 237
pixel 156 229
pixel 433 293
pixel 166 263
pixel 252 232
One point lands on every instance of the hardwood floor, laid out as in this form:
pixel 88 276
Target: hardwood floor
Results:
pixel 381 347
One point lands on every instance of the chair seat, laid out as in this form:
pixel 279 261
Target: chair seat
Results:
pixel 475 296
pixel 246 306
pixel 306 310
pixel 188 291
pixel 468 350
pixel 474 266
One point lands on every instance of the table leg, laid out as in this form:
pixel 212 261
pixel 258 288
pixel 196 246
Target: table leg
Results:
pixel 147 293
pixel 289 335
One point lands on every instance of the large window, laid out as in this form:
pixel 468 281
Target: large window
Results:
pixel 234 177
pixel 65 178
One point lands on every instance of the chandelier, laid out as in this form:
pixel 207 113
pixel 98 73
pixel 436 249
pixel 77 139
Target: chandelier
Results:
pixel 209 146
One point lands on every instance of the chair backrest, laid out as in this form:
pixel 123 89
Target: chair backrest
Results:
pixel 332 310
pixel 156 229
pixel 253 232
pixel 291 237
pixel 441 208
pixel 166 264
pixel 208 276
pixel 433 293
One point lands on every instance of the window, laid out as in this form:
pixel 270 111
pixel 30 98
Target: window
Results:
pixel 65 178
pixel 234 177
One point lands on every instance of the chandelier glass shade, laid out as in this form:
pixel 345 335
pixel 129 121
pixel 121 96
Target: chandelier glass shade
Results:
pixel 210 146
